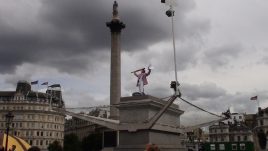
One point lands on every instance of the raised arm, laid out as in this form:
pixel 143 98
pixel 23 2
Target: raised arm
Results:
pixel 149 72
pixel 135 73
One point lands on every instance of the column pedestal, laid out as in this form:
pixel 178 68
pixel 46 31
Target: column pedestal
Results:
pixel 139 109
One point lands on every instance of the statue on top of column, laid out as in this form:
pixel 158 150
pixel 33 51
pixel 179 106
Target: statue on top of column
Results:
pixel 115 10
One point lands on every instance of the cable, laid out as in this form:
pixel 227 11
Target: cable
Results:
pixel 201 108
pixel 166 97
pixel 90 107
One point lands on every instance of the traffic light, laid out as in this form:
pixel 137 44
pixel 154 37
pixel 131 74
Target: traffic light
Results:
pixel 163 1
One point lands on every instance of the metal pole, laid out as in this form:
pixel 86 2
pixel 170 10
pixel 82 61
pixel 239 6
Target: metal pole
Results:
pixel 7 138
pixel 174 46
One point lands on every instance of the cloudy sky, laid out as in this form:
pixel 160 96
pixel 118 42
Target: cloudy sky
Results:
pixel 222 53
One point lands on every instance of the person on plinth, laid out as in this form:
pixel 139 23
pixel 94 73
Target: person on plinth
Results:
pixel 142 79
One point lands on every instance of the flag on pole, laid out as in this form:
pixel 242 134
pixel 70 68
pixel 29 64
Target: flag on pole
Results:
pixel 254 98
pixel 45 83
pixel 55 85
pixel 34 82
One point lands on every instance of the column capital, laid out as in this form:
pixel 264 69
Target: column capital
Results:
pixel 115 25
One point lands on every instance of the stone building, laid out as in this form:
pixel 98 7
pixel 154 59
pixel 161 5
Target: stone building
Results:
pixel 230 135
pixel 261 125
pixel 262 120
pixel 236 117
pixel 34 121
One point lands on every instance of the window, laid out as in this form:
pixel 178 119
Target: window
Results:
pixel 222 139
pixel 222 147
pixel 242 147
pixel 31 142
pixel 261 122
pixel 234 147
pixel 238 138
pixel 212 147
pixel 245 138
pixel 240 117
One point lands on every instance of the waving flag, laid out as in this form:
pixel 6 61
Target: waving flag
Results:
pixel 34 82
pixel 254 98
pixel 45 83
pixel 55 86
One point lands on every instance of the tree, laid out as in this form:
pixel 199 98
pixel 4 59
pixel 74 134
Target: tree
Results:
pixel 92 142
pixel 55 146
pixel 71 143
pixel 95 112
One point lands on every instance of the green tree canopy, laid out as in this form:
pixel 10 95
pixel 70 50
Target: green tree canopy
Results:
pixel 92 142
pixel 72 143
pixel 55 146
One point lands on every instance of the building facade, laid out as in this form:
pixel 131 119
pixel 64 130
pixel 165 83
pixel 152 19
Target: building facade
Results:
pixel 262 120
pixel 262 124
pixel 230 135
pixel 34 120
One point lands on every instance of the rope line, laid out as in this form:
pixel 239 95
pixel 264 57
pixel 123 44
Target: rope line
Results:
pixel 90 107
pixel 200 108
pixel 107 106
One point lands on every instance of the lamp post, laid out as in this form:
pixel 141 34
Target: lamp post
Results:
pixel 170 13
pixel 9 119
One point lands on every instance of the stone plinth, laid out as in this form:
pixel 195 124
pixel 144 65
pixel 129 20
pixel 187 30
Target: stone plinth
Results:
pixel 140 109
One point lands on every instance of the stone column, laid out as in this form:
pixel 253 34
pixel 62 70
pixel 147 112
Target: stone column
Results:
pixel 115 26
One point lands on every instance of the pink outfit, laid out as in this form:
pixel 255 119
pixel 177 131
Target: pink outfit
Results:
pixel 142 80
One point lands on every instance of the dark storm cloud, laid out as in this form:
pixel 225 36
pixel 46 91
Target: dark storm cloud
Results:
pixel 64 30
pixel 222 56
pixel 13 79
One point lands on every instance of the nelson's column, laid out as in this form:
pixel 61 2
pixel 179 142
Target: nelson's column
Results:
pixel 115 26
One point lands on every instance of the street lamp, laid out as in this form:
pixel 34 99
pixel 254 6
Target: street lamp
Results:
pixel 170 13
pixel 9 119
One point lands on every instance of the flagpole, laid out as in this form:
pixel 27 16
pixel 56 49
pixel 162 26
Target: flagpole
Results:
pixel 258 102
pixel 37 89
pixel 50 105
pixel 48 97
